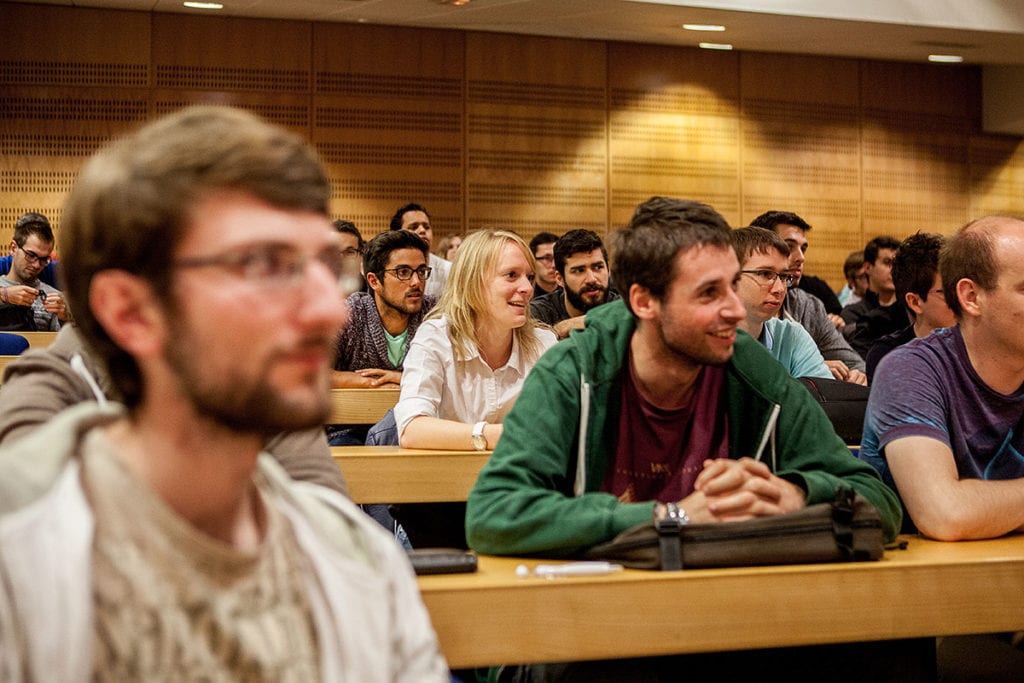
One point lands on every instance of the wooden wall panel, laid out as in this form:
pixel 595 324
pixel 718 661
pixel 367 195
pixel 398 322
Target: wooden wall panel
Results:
pixel 388 121
pixel 997 175
pixel 673 127
pixel 524 132
pixel 54 46
pixel 916 121
pixel 801 150
pixel 69 80
pixel 535 144
pixel 230 54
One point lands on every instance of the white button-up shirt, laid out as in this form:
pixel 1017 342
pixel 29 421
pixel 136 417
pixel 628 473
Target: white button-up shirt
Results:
pixel 436 385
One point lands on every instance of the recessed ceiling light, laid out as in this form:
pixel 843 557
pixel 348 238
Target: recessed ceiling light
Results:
pixel 703 27
pixel 716 46
pixel 203 5
pixel 946 59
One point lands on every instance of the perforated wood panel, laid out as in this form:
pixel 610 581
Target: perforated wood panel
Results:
pixel 535 144
pixel 801 150
pixel 916 120
pixel 388 122
pixel 673 127
pixel 52 46
pixel 997 175
pixel 526 133
pixel 229 53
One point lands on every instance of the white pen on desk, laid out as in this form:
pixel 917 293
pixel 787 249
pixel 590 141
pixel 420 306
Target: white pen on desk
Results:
pixel 551 571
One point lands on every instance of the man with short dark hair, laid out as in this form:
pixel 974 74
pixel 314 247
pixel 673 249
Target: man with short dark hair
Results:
pixel 27 303
pixel 794 229
pixel 546 278
pixel 372 348
pixel 659 382
pixel 191 250
pixel 764 282
pixel 581 269
pixel 915 274
pixel 878 313
pixel 659 408
pixel 414 218
pixel 843 362
pixel 855 272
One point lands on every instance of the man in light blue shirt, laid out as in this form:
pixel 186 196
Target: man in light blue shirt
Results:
pixel 764 259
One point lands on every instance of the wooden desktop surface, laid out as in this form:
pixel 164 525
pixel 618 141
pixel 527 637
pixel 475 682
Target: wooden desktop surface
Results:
pixel 931 588
pixel 38 340
pixel 389 474
pixel 361 406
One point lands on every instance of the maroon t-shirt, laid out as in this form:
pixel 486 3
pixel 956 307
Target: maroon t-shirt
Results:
pixel 660 452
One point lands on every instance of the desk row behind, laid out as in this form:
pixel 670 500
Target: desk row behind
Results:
pixel 389 474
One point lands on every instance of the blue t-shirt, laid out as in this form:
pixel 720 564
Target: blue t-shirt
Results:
pixel 791 345
pixel 929 388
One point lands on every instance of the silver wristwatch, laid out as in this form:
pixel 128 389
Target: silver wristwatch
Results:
pixel 479 441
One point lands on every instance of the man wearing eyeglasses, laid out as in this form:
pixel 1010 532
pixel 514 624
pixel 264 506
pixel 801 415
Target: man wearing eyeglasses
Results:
pixel 808 310
pixel 762 287
pixel 372 348
pixel 545 279
pixel 26 302
pixel 157 540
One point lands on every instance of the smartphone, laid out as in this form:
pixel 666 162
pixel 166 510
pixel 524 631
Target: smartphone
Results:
pixel 442 561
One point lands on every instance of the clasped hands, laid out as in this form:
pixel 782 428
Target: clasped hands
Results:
pixel 732 490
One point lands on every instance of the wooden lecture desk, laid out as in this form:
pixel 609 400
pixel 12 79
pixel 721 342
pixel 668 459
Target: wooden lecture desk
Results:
pixel 389 474
pixel 929 589
pixel 38 340
pixel 361 406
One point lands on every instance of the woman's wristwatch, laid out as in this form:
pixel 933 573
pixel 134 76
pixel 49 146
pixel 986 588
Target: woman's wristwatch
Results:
pixel 479 440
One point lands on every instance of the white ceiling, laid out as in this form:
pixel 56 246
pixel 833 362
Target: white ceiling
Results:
pixel 983 31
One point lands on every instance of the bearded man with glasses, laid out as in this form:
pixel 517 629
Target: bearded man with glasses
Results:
pixel 158 539
pixel 372 348
pixel 26 302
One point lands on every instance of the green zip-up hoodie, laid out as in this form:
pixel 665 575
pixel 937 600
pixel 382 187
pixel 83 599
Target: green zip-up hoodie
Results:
pixel 540 492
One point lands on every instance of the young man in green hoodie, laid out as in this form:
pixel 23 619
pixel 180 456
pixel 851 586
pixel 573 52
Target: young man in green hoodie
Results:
pixel 659 406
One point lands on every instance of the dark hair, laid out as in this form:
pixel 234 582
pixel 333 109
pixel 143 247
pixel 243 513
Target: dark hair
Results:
pixel 576 242
pixel 770 219
pixel 396 220
pixel 32 223
pixel 130 208
pixel 915 265
pixel 853 263
pixel 970 254
pixel 348 227
pixel 644 252
pixel 872 248
pixel 542 238
pixel 378 250
pixel 746 241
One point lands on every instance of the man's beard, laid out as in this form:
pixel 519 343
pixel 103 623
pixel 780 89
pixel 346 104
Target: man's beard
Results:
pixel 247 404
pixel 581 304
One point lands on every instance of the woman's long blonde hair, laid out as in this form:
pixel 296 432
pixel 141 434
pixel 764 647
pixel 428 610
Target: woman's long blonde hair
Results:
pixel 464 299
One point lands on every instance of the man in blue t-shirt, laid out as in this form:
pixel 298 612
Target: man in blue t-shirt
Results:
pixel 943 422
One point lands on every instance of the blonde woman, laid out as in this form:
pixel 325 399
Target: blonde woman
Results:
pixel 448 246
pixel 466 365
